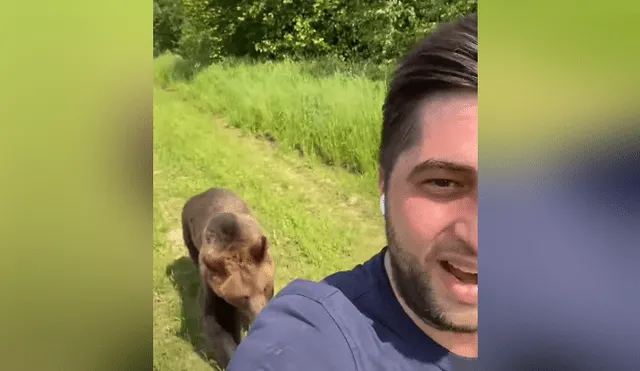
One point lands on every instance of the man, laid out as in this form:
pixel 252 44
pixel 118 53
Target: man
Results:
pixel 413 306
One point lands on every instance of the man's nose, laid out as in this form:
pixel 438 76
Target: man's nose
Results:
pixel 467 230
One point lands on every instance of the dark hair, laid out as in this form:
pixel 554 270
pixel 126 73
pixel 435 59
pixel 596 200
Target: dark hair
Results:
pixel 446 60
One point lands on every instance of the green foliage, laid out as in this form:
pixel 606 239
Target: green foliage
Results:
pixel 376 30
pixel 167 25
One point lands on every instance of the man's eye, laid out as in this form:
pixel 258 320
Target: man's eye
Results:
pixel 441 183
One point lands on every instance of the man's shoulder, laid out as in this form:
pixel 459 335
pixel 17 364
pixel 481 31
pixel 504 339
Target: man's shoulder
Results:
pixel 301 298
pixel 343 285
pixel 296 329
pixel 312 290
pixel 315 325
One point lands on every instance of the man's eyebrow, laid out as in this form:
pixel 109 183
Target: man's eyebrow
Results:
pixel 441 164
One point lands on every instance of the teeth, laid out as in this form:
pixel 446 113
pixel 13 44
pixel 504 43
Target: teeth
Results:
pixel 462 269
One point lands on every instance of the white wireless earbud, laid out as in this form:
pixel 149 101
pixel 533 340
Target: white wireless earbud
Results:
pixel 382 204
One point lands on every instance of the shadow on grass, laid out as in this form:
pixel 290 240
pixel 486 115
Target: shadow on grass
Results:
pixel 184 277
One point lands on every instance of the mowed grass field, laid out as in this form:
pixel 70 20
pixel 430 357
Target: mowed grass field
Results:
pixel 266 132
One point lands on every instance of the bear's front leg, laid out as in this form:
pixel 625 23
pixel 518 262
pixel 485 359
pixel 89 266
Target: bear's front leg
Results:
pixel 219 342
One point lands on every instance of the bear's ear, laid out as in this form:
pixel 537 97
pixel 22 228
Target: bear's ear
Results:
pixel 216 266
pixel 259 251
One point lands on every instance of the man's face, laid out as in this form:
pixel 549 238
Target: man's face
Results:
pixel 432 216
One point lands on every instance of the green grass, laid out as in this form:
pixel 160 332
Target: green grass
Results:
pixel 335 118
pixel 320 219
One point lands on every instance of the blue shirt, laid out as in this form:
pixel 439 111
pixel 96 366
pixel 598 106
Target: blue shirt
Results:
pixel 349 321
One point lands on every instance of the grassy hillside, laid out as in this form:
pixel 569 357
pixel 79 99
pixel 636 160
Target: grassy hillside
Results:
pixel 320 219
pixel 333 116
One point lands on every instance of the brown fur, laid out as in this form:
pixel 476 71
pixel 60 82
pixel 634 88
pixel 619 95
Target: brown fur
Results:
pixel 236 270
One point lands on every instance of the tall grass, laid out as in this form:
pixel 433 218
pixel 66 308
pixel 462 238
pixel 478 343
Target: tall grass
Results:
pixel 328 112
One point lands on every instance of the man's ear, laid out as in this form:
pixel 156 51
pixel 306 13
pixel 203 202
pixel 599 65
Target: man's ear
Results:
pixel 381 184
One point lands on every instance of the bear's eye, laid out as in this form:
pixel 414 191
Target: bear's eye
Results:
pixel 245 298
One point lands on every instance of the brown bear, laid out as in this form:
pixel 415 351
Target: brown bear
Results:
pixel 231 251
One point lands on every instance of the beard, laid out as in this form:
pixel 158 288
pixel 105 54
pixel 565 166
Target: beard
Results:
pixel 415 287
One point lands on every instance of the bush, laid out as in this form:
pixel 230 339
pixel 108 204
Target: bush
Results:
pixel 167 25
pixel 376 30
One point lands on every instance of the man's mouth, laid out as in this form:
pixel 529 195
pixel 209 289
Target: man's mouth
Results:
pixel 463 275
